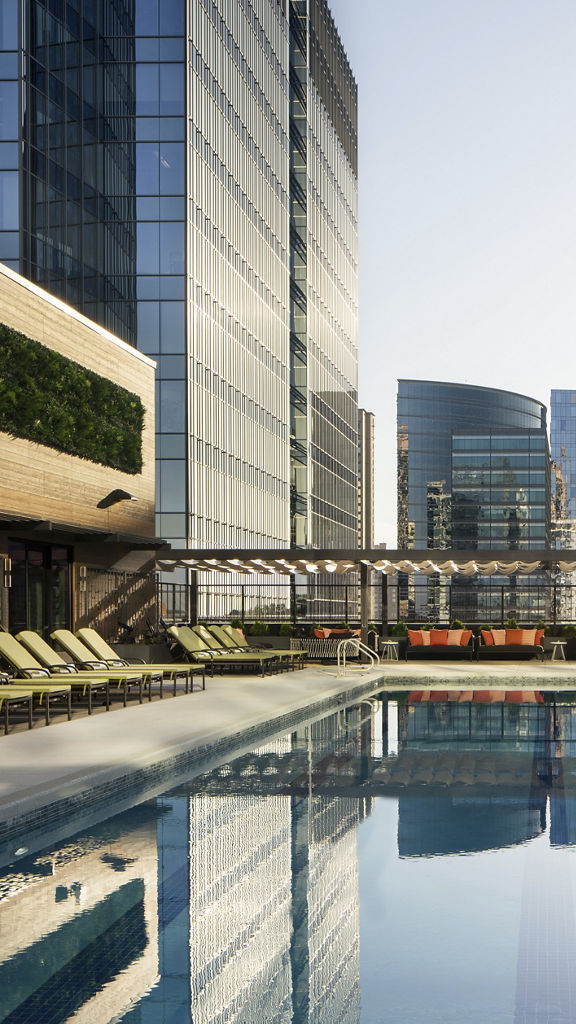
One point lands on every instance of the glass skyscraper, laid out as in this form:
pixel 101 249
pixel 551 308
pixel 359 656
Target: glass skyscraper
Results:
pixel 563 451
pixel 473 473
pixel 185 173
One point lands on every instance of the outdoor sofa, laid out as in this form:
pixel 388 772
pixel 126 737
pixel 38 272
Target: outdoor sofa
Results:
pixel 510 644
pixel 444 644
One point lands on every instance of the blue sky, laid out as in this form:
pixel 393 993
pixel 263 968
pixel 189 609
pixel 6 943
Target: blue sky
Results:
pixel 467 112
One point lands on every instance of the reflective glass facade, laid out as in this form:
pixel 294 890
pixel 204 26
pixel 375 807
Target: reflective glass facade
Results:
pixel 563 452
pixel 67 155
pixel 332 286
pixel 473 472
pixel 184 172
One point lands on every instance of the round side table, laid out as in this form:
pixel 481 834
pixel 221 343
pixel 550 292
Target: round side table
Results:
pixel 558 653
pixel 389 650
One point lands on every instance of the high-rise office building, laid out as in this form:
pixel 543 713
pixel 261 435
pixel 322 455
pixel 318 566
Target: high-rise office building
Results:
pixel 185 173
pixel 473 473
pixel 563 452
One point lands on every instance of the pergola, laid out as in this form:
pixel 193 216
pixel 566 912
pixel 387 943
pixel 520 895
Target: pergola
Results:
pixel 311 562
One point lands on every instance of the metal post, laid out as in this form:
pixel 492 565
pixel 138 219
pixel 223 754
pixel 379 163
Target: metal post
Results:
pixel 384 583
pixel 293 600
pixel 502 606
pixel 242 602
pixel 194 598
pixel 345 602
pixel 364 601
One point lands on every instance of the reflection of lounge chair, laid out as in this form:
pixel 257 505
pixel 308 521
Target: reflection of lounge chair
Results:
pixel 170 670
pixel 196 649
pixel 230 639
pixel 39 680
pixel 125 679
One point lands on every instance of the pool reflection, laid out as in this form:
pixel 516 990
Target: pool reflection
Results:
pixel 235 897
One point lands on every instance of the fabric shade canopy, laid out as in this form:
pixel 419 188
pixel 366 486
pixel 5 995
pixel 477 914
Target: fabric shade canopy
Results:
pixel 390 563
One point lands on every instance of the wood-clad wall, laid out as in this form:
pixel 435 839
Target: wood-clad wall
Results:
pixel 49 485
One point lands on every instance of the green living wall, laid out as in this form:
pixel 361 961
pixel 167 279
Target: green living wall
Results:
pixel 47 398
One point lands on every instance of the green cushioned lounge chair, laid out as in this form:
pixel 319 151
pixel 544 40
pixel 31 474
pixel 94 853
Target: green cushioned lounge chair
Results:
pixel 14 696
pixel 170 670
pixel 55 663
pixel 231 640
pixel 41 681
pixel 196 649
pixel 124 678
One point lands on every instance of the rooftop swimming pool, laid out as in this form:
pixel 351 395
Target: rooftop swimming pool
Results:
pixel 411 858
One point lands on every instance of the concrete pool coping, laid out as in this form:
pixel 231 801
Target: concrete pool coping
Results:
pixel 71 773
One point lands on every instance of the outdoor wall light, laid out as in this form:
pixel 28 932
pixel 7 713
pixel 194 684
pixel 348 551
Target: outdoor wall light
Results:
pixel 115 497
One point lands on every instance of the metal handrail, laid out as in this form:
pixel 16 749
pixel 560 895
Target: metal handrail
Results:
pixel 360 647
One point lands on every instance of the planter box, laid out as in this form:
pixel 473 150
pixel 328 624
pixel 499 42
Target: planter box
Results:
pixel 281 643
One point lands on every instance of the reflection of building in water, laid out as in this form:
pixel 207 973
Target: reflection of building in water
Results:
pixel 240 908
pixel 480 774
pixel 274 894
pixel 80 928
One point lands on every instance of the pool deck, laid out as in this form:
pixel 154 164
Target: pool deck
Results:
pixel 67 760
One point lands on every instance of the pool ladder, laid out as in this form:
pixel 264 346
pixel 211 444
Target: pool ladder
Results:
pixel 359 647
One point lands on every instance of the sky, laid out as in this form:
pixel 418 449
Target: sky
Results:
pixel 467 200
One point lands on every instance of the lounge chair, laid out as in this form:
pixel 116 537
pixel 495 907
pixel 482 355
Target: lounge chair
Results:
pixel 14 696
pixel 225 640
pixel 230 639
pixel 196 649
pixel 55 663
pixel 170 670
pixel 125 679
pixel 40 681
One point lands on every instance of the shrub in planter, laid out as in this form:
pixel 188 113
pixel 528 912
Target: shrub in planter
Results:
pixel 399 629
pixel 457 624
pixel 237 624
pixel 259 628
pixel 511 623
pixel 286 629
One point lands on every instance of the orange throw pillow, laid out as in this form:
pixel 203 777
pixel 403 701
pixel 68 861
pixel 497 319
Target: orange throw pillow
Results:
pixel 438 636
pixel 499 637
pixel 528 637
pixel 514 636
pixel 415 637
pixel 487 637
pixel 455 637
pixel 466 637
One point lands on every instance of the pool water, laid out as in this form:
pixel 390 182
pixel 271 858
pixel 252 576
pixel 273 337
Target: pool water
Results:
pixel 407 859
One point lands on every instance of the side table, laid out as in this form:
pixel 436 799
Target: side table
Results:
pixel 558 653
pixel 389 650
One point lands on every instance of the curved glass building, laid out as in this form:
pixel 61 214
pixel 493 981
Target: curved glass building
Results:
pixel 473 473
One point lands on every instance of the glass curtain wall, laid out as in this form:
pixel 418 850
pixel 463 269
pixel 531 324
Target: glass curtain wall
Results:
pixel 238 274
pixel 161 185
pixel 430 413
pixel 500 499
pixel 332 285
pixel 563 451
pixel 72 204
